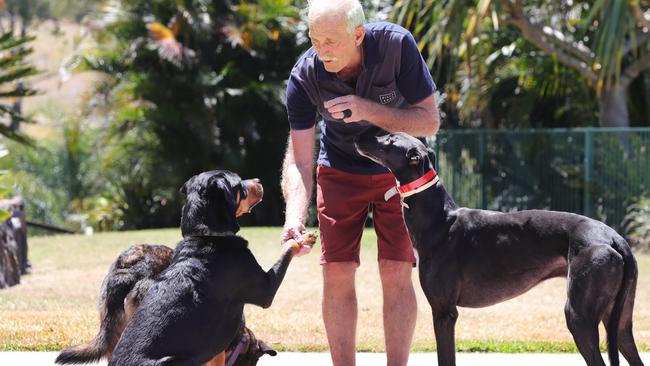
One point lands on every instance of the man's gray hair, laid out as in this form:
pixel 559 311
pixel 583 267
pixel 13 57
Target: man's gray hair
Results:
pixel 351 9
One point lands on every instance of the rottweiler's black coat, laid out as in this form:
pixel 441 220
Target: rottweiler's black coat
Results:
pixel 194 308
pixel 122 291
pixel 476 258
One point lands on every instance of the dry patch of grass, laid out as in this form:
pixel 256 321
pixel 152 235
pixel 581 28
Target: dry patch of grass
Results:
pixel 55 306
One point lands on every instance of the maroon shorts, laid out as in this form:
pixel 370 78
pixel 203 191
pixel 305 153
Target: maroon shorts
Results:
pixel 343 200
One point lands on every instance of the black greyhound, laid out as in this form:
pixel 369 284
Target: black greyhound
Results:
pixel 476 258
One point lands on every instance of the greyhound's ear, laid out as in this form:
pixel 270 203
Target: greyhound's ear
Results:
pixel 413 156
pixel 432 156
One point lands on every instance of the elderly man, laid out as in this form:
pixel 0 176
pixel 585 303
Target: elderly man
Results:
pixel 357 77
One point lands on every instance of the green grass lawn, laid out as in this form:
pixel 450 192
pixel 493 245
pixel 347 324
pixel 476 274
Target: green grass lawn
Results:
pixel 55 306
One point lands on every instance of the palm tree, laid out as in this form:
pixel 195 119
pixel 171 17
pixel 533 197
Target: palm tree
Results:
pixel 14 68
pixel 604 41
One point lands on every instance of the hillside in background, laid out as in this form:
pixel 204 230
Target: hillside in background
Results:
pixel 52 45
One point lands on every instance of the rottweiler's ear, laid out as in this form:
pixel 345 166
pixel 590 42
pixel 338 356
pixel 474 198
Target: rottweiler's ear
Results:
pixel 183 188
pixel 413 156
pixel 221 185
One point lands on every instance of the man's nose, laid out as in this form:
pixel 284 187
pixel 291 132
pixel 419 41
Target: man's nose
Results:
pixel 322 50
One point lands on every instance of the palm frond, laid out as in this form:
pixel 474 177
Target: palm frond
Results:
pixel 8 41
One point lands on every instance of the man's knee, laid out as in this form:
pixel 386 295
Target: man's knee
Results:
pixel 339 274
pixel 395 271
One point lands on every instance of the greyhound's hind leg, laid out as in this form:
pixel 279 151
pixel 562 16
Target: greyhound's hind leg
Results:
pixel 585 334
pixel 595 276
pixel 626 343
pixel 627 346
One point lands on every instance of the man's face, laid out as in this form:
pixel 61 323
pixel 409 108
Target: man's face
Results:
pixel 332 42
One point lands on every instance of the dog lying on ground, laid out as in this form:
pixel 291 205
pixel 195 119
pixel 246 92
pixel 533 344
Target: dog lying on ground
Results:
pixel 126 283
pixel 192 310
pixel 476 258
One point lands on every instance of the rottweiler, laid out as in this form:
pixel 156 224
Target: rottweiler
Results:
pixel 476 258
pixel 126 283
pixel 192 310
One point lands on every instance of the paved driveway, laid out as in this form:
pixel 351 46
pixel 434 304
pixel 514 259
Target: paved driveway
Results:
pixel 363 359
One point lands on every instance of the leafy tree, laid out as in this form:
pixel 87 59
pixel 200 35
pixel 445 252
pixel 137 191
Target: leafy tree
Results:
pixel 191 85
pixel 603 43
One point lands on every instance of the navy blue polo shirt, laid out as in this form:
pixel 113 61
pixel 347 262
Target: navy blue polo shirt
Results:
pixel 393 74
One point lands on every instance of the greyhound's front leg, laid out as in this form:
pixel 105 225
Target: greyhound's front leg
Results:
pixel 444 323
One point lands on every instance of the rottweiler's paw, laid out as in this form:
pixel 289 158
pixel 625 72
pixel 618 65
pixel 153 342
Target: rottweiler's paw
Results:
pixel 308 239
pixel 307 242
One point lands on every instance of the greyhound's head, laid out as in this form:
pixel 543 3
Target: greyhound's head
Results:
pixel 406 157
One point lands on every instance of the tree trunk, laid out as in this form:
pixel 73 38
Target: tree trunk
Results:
pixel 646 84
pixel 613 108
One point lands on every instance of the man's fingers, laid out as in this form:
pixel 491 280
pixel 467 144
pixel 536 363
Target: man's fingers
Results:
pixel 332 102
pixel 339 108
pixel 295 233
pixel 303 250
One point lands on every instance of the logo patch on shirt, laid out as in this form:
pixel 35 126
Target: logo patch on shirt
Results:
pixel 387 98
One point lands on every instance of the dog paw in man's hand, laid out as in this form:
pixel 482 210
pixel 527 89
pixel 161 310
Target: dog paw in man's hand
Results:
pixel 303 246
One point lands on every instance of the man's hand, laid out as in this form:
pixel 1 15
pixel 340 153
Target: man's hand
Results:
pixel 356 106
pixel 292 231
pixel 298 240
pixel 296 232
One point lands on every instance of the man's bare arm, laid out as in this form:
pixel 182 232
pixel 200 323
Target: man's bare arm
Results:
pixel 420 119
pixel 297 180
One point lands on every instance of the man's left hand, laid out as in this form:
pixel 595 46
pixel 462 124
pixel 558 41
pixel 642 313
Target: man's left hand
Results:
pixel 356 105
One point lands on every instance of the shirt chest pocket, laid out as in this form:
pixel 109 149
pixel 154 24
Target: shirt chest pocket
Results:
pixel 387 94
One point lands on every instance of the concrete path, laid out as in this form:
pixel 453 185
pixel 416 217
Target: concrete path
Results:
pixel 363 359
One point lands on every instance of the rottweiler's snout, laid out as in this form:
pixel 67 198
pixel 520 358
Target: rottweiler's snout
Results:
pixel 254 187
pixel 253 193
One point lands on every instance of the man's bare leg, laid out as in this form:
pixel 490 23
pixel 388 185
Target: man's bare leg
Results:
pixel 340 311
pixel 400 309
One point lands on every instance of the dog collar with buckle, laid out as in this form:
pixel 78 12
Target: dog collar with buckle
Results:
pixel 424 182
pixel 235 354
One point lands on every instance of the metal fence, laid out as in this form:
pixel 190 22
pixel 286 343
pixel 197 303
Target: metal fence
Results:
pixel 597 172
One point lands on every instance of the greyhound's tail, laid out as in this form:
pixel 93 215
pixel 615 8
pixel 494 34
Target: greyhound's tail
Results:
pixel 115 288
pixel 630 273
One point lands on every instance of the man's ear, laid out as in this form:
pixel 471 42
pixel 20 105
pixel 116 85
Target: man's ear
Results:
pixel 413 156
pixel 359 35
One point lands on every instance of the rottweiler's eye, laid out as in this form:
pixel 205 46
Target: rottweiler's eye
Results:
pixel 243 191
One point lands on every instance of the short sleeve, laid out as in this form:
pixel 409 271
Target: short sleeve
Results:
pixel 414 80
pixel 301 111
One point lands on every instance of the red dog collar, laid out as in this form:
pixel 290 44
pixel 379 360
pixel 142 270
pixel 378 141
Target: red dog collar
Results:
pixel 429 176
pixel 427 180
